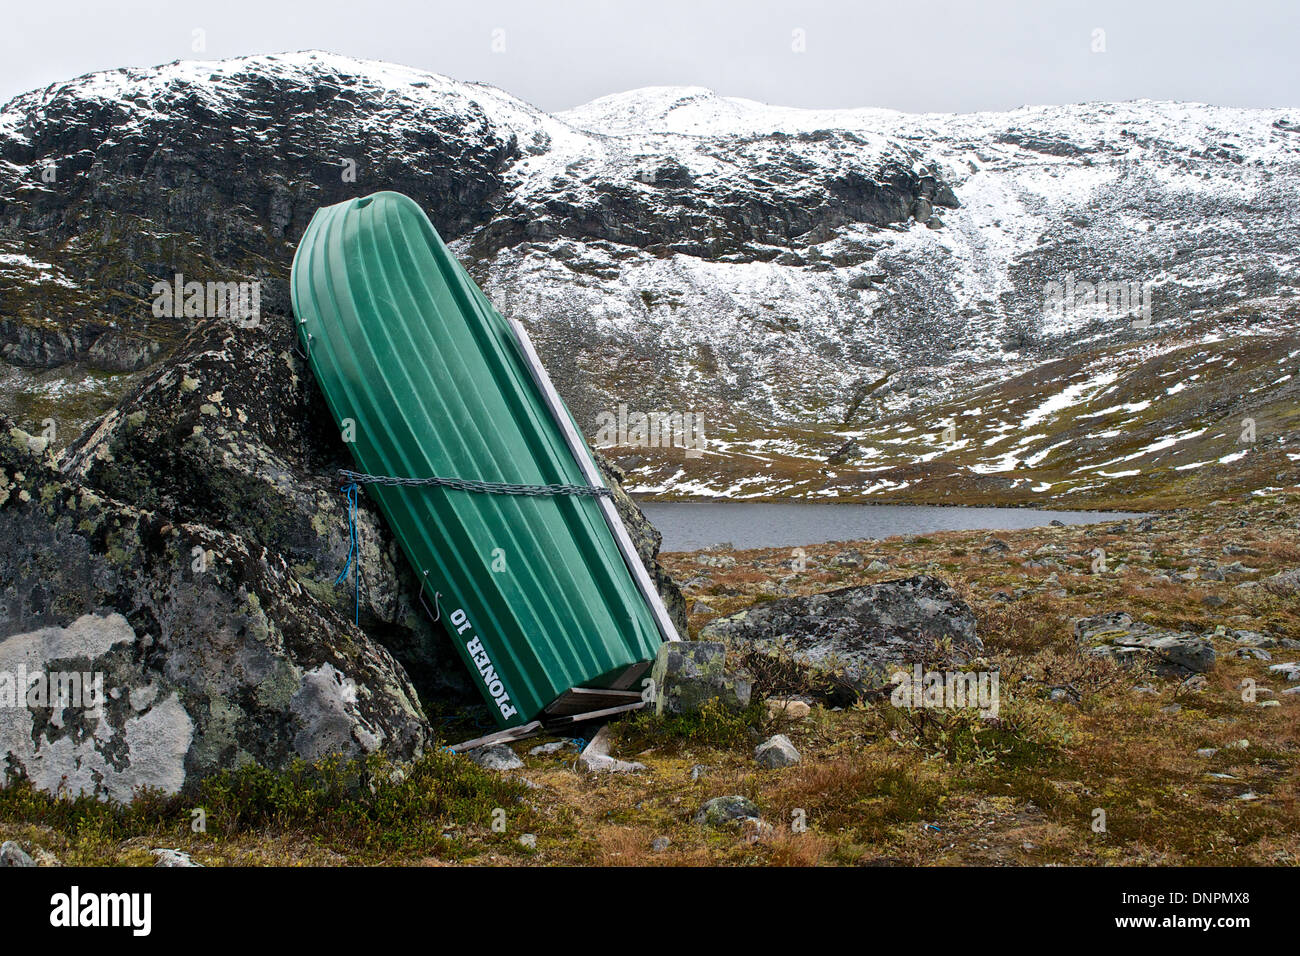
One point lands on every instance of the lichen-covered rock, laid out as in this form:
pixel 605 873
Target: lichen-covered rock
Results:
pixel 853 637
pixel 496 757
pixel 689 674
pixel 209 650
pixel 1170 653
pixel 727 809
pixel 11 854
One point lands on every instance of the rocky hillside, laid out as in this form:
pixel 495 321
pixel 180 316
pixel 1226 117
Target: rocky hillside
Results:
pixel 858 302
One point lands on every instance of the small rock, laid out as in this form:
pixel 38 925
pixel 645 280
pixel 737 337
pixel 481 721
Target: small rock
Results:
pixel 776 752
pixel 1242 744
pixel 1289 671
pixel 698 771
pixel 1171 708
pixel 11 854
pixel 528 841
pixel 659 844
pixel 756 829
pixel 727 809
pixel 877 567
pixel 1195 684
pixel 790 707
pixel 495 757
pixel 1207 752
pixel 167 857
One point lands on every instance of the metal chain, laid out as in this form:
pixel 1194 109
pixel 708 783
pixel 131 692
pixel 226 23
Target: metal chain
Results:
pixel 483 487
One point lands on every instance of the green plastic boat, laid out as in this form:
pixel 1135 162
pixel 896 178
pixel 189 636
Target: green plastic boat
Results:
pixel 542 594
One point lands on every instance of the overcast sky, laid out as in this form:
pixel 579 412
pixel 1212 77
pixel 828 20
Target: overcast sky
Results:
pixel 919 55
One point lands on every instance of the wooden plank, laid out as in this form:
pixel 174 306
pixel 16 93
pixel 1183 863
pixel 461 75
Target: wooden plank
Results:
pixel 500 737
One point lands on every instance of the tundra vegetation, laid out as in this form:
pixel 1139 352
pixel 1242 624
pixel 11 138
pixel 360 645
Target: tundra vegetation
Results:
pixel 1183 771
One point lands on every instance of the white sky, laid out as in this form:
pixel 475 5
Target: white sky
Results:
pixel 919 55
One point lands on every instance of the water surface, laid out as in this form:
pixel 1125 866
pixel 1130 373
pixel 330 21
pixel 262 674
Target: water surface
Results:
pixel 692 525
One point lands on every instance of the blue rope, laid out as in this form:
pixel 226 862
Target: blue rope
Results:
pixel 351 491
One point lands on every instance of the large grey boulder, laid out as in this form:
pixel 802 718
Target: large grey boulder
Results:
pixel 689 674
pixel 1169 653
pixel 193 650
pixel 851 639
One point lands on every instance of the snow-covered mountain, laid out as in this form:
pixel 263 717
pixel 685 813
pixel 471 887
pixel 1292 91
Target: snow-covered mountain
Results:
pixel 1082 303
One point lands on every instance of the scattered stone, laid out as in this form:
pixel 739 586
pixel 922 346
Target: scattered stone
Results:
pixel 721 810
pixel 877 567
pixel 1270 703
pixel 165 857
pixel 698 771
pixel 495 757
pixel 688 674
pixel 1249 638
pixel 528 841
pixel 1207 752
pixel 1284 582
pixel 776 752
pixel 790 707
pixel 1195 684
pixel 661 843
pixel 1171 708
pixel 11 854
pixel 1168 653
pixel 1289 671
pixel 755 829
pixel 1242 744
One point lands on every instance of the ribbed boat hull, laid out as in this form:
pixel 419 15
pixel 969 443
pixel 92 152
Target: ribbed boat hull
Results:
pixel 535 593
